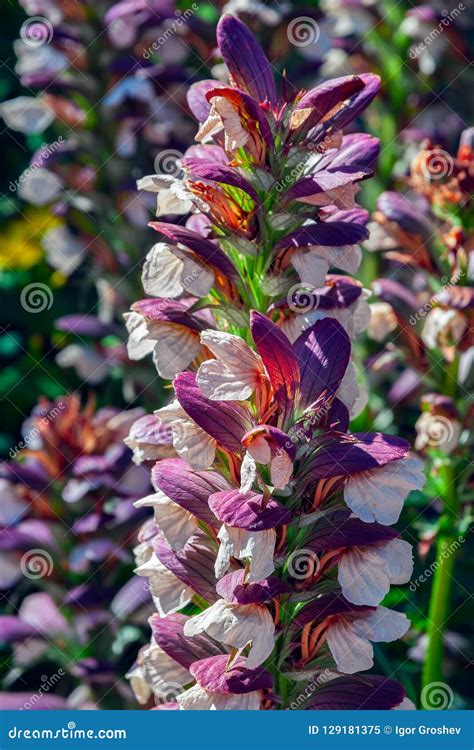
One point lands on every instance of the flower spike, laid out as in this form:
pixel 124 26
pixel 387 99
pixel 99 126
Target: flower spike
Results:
pixel 290 550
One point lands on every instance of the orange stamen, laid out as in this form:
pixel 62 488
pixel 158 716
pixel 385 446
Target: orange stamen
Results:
pixel 282 539
pixel 305 642
pixel 276 617
pixel 314 645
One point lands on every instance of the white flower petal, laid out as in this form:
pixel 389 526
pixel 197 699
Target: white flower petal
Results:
pixel 344 316
pixel 398 558
pixel 195 699
pixel 189 441
pixel 152 183
pixel 91 366
pixel 260 450
pixel 346 258
pixel 236 625
pixel 281 469
pixel 176 523
pixel 382 321
pixel 224 115
pixel 441 326
pixel 162 270
pixel 44 59
pixel 199 699
pixel 10 571
pixel 365 573
pixel 362 576
pixel 342 197
pixel 139 343
pixel 258 546
pixel 348 390
pixel 219 383
pixel 27 114
pixel 311 268
pixel 147 452
pixel 232 350
pixel 379 494
pixel 294 325
pixel 175 348
pixel 174 200
pixel 236 371
pixel 354 319
pixel 360 314
pixel 168 592
pixel 167 414
pixel 248 472
pixel 64 251
pixel 382 625
pixel 351 652
pixel 139 685
pixel 209 127
pixel 225 552
pixel 193 444
pixel 405 705
pixel 197 278
pixel 40 187
pixel 162 673
pixel 142 553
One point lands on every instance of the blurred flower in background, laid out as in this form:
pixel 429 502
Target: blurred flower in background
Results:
pixel 68 523
pixel 424 318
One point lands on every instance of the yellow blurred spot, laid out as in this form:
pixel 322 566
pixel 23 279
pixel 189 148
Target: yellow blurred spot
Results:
pixel 20 242
pixel 58 279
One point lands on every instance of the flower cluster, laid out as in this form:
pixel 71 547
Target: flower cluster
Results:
pixel 68 521
pixel 271 546
pixel 420 49
pixel 108 110
pixel 100 120
pixel 110 81
pixel 429 35
pixel 424 312
pixel 424 316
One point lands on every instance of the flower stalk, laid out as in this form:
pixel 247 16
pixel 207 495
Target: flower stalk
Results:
pixel 440 600
pixel 267 511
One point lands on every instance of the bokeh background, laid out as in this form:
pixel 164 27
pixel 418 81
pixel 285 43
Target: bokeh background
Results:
pixel 108 82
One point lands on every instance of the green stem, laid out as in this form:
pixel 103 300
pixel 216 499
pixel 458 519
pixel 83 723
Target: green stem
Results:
pixel 442 580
